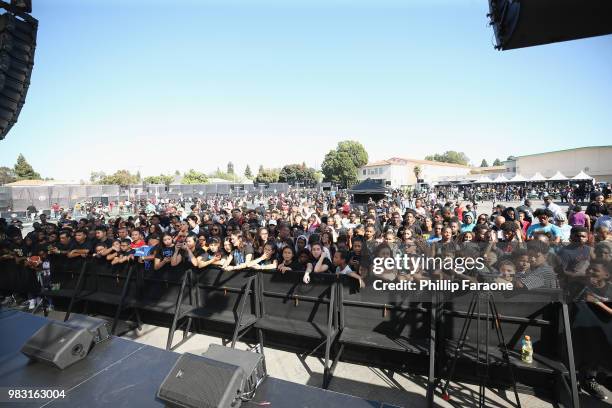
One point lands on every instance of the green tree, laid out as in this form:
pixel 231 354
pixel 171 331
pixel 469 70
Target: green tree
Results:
pixel 497 162
pixel 247 172
pixel 24 171
pixel 7 175
pixel 484 163
pixel 449 156
pixel 177 173
pixel 194 177
pixel 338 167
pixel 224 176
pixel 417 172
pixel 355 150
pixel 96 176
pixel 165 179
pixel 267 175
pixel 297 173
pixel 119 178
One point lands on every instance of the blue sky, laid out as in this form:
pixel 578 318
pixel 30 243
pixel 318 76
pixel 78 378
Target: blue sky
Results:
pixel 158 85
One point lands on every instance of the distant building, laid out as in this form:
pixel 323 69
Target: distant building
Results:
pixel 399 172
pixel 596 161
pixel 493 171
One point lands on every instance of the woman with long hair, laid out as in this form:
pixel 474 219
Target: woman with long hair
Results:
pixel 227 250
pixel 327 241
pixel 261 239
pixel 288 260
pixel 320 262
pixel 166 256
pixel 192 253
pixel 267 260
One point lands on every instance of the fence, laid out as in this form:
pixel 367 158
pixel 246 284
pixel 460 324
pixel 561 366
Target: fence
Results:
pixel 385 329
pixel 18 198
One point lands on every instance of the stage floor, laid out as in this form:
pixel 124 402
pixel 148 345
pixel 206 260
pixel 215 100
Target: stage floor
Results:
pixel 399 389
pixel 124 373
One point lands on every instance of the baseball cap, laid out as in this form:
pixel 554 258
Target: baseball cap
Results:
pixel 272 222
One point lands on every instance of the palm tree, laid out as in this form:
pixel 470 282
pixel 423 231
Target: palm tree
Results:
pixel 417 172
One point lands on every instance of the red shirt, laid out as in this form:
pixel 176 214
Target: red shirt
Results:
pixel 137 244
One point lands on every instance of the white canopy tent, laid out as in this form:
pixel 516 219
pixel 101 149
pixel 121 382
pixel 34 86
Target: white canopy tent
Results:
pixel 517 178
pixel 582 176
pixel 537 177
pixel 558 176
pixel 500 179
pixel 483 180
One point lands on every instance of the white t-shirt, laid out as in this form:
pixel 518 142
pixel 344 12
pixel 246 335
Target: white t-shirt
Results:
pixel 347 269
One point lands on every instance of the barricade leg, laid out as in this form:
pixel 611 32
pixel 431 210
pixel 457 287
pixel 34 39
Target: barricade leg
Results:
pixel 431 384
pixel 570 355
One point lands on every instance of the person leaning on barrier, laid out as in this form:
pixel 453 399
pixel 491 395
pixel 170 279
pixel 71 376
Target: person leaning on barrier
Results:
pixel 267 260
pixel 241 255
pixel 288 261
pixel 341 258
pixel 114 250
pixel 125 254
pixel 213 255
pixel 164 254
pixel 79 247
pixel 191 252
pixel 101 238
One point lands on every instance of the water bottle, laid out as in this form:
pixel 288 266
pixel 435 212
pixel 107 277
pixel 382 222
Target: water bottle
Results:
pixel 527 350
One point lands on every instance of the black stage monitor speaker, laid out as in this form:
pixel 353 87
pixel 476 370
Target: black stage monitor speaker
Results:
pixel 202 382
pixel 58 344
pixel 62 344
pixel 17 45
pixel 525 23
pixel 253 365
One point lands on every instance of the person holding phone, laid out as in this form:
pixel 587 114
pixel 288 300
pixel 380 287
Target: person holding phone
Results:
pixel 164 254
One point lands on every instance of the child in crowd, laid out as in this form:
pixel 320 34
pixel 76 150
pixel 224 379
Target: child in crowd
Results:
pixel 341 258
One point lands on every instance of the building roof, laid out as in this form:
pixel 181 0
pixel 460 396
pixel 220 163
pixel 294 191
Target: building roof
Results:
pixel 402 162
pixel 566 150
pixel 488 169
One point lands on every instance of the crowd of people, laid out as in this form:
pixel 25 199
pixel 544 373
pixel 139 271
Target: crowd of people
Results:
pixel 505 192
pixel 566 247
